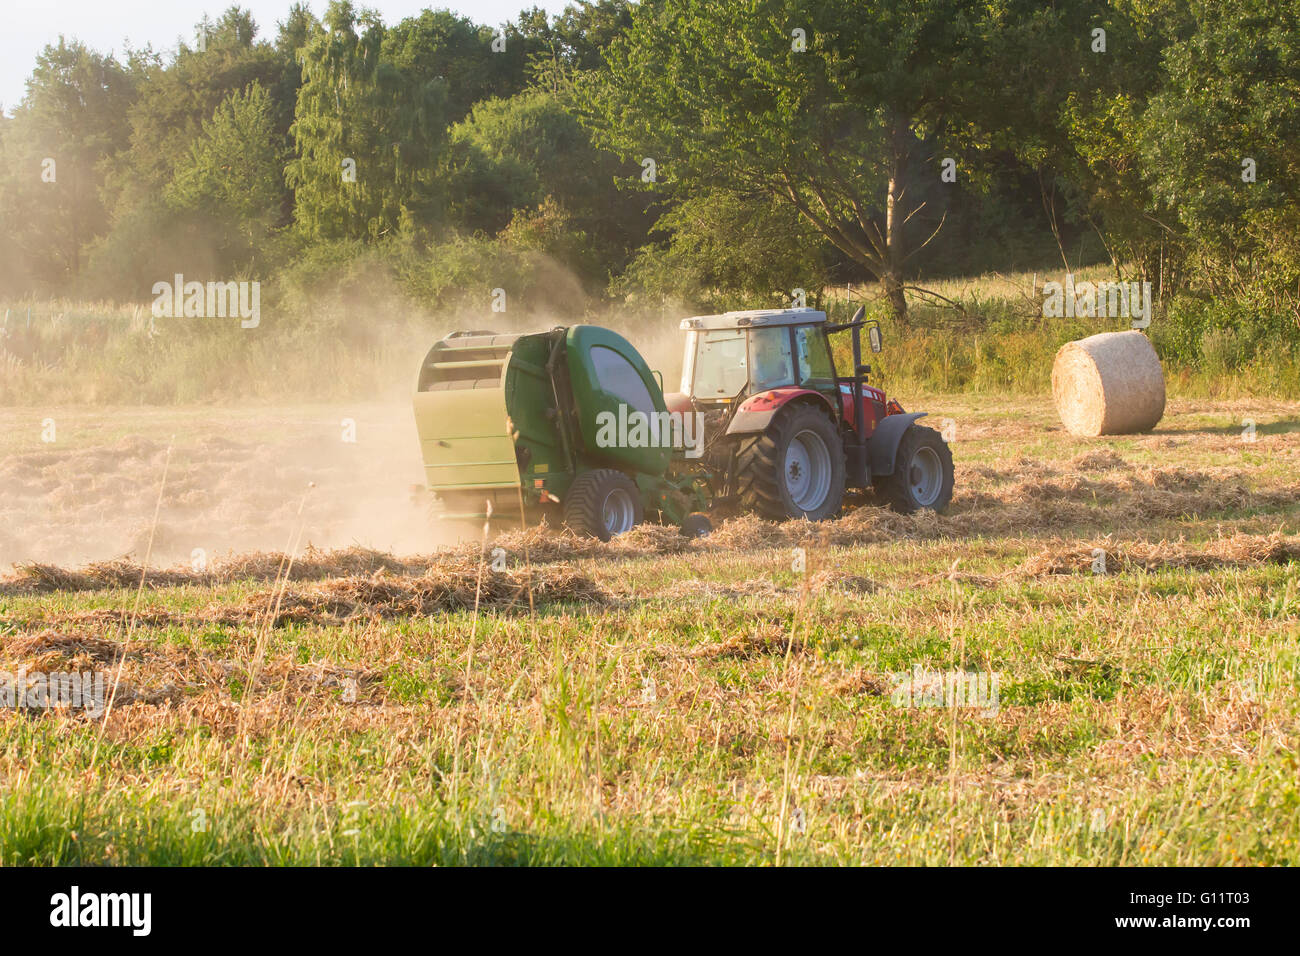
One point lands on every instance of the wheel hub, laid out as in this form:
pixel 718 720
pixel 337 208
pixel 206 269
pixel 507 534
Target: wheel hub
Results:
pixel 807 470
pixel 618 511
pixel 925 477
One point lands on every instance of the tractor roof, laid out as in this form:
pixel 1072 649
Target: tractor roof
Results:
pixel 755 317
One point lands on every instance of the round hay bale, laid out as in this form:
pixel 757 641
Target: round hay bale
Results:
pixel 1108 384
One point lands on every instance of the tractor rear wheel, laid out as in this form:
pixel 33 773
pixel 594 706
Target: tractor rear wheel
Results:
pixel 923 475
pixel 603 503
pixel 795 469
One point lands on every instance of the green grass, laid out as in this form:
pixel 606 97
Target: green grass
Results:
pixel 577 765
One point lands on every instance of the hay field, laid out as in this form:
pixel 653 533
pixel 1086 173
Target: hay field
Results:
pixel 771 694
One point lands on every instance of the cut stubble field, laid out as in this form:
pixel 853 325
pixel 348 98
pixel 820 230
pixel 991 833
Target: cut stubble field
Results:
pixel 771 694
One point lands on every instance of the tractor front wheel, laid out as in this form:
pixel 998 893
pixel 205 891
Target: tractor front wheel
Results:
pixel 603 503
pixel 795 469
pixel 923 475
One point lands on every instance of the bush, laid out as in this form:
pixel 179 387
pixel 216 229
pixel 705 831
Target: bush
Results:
pixel 1223 332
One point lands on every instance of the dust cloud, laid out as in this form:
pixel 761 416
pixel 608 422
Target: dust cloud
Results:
pixel 237 480
pixel 265 476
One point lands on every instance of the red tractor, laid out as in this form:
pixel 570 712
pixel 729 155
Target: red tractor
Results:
pixel 786 433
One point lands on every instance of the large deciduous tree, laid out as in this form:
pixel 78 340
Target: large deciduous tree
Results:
pixel 55 149
pixel 824 106
pixel 1221 147
pixel 233 175
pixel 366 131
pixel 176 99
pixel 512 154
pixel 474 62
pixel 1087 72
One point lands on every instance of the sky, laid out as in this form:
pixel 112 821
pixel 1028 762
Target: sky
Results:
pixel 26 26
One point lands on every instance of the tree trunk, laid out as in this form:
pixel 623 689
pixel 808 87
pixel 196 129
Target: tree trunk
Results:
pixel 893 288
pixel 891 280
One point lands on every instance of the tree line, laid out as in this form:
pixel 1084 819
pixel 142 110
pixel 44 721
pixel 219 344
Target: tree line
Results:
pixel 683 150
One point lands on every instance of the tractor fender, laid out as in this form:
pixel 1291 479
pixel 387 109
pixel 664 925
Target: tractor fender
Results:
pixel 756 412
pixel 882 446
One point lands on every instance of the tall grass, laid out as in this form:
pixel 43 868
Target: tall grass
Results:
pixel 994 341
pixel 1001 344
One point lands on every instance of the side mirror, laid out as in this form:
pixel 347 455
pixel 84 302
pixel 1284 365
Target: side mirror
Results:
pixel 873 336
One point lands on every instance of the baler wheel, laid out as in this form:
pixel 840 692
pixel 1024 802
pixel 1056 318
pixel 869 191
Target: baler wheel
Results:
pixel 602 503
pixel 696 525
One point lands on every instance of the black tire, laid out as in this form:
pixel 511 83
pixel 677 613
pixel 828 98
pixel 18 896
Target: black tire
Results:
pixel 923 473
pixel 598 496
pixel 696 525
pixel 767 473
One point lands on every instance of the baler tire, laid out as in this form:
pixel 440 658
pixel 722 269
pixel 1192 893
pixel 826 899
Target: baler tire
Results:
pixel 584 505
pixel 899 490
pixel 696 525
pixel 762 466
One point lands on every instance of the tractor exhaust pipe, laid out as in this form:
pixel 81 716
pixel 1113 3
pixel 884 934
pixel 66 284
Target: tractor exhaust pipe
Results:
pixel 859 462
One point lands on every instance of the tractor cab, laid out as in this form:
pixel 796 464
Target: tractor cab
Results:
pixel 757 351
pixel 754 352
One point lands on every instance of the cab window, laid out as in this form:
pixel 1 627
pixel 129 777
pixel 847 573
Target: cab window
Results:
pixel 770 362
pixel 720 369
